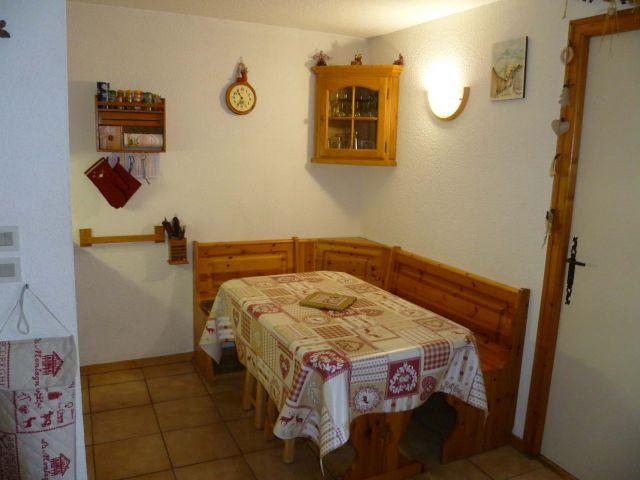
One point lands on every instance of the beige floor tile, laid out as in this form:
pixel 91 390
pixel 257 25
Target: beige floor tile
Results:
pixel 131 457
pixel 120 395
pixel 248 438
pixel 460 469
pixel 168 475
pixel 234 468
pixel 504 462
pixel 539 474
pixel 227 382
pixel 185 413
pixel 230 406
pixel 267 465
pixel 88 434
pixel 168 370
pixel 124 423
pixel 337 462
pixel 91 473
pixel 86 406
pixel 178 386
pixel 200 444
pixel 115 377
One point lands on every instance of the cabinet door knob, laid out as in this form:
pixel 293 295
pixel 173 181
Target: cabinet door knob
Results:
pixel 110 138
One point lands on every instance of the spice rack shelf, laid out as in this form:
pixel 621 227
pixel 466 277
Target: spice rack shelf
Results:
pixel 116 121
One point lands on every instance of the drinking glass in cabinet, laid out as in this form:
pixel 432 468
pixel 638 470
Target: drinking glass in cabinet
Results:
pixel 366 104
pixel 340 102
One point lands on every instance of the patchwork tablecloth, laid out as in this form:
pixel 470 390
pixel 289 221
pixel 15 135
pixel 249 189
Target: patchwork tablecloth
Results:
pixel 324 368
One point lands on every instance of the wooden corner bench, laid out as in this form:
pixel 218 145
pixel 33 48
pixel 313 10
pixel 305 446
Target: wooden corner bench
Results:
pixel 495 312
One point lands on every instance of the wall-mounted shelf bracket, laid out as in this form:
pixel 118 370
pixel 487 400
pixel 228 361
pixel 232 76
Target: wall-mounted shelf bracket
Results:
pixel 87 239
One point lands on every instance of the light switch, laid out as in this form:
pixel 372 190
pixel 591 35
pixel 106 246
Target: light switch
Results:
pixel 9 239
pixel 10 270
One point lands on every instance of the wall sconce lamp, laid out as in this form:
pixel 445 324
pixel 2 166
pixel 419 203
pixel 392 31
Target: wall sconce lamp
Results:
pixel 447 101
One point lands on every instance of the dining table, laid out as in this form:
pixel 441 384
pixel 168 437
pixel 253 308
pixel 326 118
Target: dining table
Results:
pixel 352 375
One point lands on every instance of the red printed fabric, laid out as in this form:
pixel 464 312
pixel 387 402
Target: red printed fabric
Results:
pixel 37 409
pixel 116 184
pixel 323 368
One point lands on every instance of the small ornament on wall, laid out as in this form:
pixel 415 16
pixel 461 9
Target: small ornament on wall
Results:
pixel 3 32
pixel 565 96
pixel 560 127
pixel 567 54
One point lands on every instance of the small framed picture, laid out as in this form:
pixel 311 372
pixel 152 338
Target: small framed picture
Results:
pixel 508 69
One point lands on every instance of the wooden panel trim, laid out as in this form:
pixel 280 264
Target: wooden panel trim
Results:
pixel 139 363
pixel 568 149
pixel 473 281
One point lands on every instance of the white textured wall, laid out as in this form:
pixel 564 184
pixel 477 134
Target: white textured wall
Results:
pixel 34 169
pixel 228 177
pixel 473 192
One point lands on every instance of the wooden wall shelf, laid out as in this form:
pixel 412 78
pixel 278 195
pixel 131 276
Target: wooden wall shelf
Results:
pixel 87 239
pixel 116 119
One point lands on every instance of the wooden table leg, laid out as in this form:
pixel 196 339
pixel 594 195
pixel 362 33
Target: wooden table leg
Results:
pixel 248 390
pixel 376 438
pixel 261 395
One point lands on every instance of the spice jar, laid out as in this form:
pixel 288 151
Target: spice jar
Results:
pixel 148 98
pixel 120 98
pixel 112 97
pixel 137 97
pixel 128 97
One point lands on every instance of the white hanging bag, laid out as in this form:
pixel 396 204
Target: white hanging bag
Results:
pixel 37 403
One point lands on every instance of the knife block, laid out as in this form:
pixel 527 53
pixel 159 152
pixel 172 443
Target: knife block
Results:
pixel 177 251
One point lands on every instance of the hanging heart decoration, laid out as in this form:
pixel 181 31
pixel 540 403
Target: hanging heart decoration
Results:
pixel 565 96
pixel 3 32
pixel 567 54
pixel 560 127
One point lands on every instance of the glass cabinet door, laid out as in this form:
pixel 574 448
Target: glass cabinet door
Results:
pixel 352 118
pixel 356 111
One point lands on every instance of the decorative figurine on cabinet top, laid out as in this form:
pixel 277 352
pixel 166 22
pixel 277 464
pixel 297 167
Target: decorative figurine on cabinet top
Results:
pixel 3 32
pixel 357 59
pixel 321 59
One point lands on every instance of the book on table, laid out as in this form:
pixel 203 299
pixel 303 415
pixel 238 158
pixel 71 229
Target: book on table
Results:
pixel 329 301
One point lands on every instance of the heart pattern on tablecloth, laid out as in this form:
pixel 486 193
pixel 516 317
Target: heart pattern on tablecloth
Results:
pixel 285 366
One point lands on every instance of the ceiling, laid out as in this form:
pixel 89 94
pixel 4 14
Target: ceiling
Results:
pixel 360 18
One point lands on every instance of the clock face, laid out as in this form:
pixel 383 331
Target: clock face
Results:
pixel 241 98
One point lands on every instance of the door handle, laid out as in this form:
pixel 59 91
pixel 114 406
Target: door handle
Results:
pixel 572 269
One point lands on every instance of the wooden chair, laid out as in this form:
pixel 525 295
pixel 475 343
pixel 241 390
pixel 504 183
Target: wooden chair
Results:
pixel 266 413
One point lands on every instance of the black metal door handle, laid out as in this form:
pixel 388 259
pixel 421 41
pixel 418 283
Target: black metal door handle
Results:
pixel 572 269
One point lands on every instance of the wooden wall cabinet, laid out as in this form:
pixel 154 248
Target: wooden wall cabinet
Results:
pixel 356 114
pixel 116 122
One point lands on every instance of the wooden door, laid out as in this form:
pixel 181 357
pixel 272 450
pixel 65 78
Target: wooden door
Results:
pixel 592 427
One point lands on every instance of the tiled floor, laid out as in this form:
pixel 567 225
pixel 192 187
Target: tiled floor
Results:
pixel 163 423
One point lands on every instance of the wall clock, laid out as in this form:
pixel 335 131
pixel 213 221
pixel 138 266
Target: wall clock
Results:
pixel 241 97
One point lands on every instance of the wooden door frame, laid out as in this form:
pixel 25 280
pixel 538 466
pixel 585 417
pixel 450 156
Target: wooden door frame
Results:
pixel 568 147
